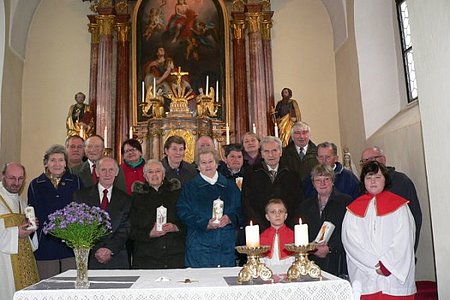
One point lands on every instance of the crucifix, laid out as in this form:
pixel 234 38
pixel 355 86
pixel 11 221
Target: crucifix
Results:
pixel 179 74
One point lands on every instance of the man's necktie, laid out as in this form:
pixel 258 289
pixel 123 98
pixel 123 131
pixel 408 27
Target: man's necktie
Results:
pixel 301 154
pixel 94 175
pixel 273 175
pixel 105 202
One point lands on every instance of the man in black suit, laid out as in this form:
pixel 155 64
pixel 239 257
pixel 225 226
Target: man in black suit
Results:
pixel 94 148
pixel 110 251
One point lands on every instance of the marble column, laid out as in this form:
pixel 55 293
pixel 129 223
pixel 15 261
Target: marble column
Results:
pixel 241 120
pixel 93 29
pixel 266 26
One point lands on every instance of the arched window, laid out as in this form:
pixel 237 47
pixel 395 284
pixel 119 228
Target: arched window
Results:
pixel 407 50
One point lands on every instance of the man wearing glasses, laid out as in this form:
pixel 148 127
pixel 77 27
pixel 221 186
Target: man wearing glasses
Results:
pixel 400 185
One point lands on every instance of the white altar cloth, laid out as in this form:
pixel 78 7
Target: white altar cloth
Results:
pixel 207 284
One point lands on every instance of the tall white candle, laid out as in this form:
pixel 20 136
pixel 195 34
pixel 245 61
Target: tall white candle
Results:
pixel 154 87
pixel 105 136
pixel 254 128
pixel 276 129
pixel 252 235
pixel 130 134
pixel 143 92
pixel 227 132
pixel 207 85
pixel 301 234
pixel 217 91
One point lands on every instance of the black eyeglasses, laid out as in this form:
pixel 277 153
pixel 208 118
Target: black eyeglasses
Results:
pixel 373 158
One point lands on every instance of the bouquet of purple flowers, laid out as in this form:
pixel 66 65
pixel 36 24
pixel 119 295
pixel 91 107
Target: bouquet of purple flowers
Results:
pixel 78 224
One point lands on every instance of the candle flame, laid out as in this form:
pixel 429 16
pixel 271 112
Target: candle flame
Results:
pixel 251 223
pixel 300 221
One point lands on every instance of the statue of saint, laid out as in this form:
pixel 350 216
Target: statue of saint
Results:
pixel 286 114
pixel 80 120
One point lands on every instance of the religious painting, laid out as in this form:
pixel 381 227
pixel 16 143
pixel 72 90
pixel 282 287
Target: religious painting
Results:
pixel 187 36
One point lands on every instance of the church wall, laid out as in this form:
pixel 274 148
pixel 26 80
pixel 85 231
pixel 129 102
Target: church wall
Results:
pixel 303 60
pixel 57 66
pixel 429 24
pixel 11 94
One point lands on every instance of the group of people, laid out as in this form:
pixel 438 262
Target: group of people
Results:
pixel 377 217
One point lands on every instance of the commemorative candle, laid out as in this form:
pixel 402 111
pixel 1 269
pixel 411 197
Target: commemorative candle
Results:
pixel 161 217
pixel 301 234
pixel 252 235
pixel 217 210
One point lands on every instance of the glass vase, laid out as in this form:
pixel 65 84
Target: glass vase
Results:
pixel 81 258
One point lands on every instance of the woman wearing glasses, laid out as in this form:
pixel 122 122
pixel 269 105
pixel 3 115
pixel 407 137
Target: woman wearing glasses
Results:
pixel 329 205
pixel 133 163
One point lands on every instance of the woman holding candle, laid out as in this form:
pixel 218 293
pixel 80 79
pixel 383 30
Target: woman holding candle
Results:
pixel 209 243
pixel 51 191
pixel 133 163
pixel 378 235
pixel 329 205
pixel 153 248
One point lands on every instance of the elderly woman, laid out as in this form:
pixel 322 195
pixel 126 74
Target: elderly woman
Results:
pixel 51 191
pixel 378 236
pixel 156 248
pixel 133 163
pixel 174 163
pixel 250 142
pixel 329 205
pixel 210 241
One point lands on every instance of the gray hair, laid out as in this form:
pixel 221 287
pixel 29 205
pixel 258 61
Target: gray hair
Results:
pixel 154 162
pixel 271 139
pixel 55 149
pixel 206 151
pixel 300 125
pixel 322 170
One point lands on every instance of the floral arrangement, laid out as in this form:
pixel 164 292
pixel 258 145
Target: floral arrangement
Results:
pixel 78 224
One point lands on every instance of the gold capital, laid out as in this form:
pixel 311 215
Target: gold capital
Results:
pixel 122 31
pixel 266 25
pixel 238 29
pixel 253 20
pixel 105 23
pixel 93 29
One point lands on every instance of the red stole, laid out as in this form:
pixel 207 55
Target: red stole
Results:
pixel 385 203
pixel 285 236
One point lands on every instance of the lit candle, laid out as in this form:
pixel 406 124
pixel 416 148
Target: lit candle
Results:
pixel 154 87
pixel 130 134
pixel 105 136
pixel 276 129
pixel 143 92
pixel 161 217
pixel 301 234
pixel 254 128
pixel 252 235
pixel 217 91
pixel 227 131
pixel 207 85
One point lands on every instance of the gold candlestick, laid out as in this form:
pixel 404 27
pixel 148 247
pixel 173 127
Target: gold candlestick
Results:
pixel 302 266
pixel 253 268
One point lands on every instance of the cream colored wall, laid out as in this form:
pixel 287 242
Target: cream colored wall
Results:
pixel 303 60
pixel 429 24
pixel 11 100
pixel 56 67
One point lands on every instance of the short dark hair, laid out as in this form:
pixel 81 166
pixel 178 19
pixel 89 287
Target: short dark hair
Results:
pixel 233 147
pixel 289 91
pixel 174 139
pixel 372 167
pixel 71 137
pixel 328 145
pixel 133 143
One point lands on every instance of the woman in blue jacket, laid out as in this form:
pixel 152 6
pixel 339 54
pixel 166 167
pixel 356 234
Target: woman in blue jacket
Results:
pixel 210 242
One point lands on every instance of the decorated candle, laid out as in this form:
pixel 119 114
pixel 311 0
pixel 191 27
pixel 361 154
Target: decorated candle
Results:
pixel 217 211
pixel 161 217
pixel 301 234
pixel 252 235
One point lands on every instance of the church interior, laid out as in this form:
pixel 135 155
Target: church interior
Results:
pixel 341 58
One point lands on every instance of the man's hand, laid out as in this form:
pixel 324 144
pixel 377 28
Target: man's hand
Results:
pixel 322 250
pixel 23 231
pixel 103 255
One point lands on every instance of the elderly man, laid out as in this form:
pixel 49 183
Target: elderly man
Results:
pixel 270 179
pixel 75 151
pixel 156 246
pixel 110 251
pixel 345 181
pixel 400 185
pixel 15 245
pixel 300 155
pixel 94 148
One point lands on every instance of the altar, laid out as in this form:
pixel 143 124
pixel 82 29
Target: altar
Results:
pixel 207 284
